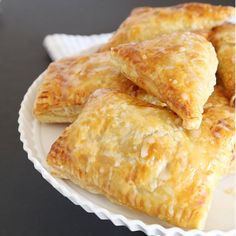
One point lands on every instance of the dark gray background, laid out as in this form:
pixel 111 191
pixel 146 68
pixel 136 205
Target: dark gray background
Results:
pixel 28 204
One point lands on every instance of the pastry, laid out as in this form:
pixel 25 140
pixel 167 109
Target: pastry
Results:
pixel 146 22
pixel 217 130
pixel 218 117
pixel 178 68
pixel 138 155
pixel 67 83
pixel 223 39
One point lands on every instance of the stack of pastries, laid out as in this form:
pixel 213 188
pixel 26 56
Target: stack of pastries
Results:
pixel 152 112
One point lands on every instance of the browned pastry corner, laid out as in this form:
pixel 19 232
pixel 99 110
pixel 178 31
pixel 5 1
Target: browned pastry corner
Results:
pixel 223 39
pixel 178 68
pixel 146 22
pixel 138 155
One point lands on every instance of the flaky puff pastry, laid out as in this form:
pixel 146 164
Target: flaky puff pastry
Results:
pixel 146 23
pixel 223 39
pixel 138 155
pixel 67 83
pixel 218 116
pixel 218 127
pixel 178 68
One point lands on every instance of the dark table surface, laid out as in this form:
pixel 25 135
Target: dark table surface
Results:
pixel 28 204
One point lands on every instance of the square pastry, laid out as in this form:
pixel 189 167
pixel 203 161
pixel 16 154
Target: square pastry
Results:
pixel 138 155
pixel 68 82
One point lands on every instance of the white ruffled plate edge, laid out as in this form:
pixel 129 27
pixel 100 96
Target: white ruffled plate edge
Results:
pixel 63 45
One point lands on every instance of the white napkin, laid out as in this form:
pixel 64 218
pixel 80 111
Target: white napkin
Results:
pixel 62 45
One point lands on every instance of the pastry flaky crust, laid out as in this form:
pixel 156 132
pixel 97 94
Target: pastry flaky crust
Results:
pixel 146 23
pixel 223 39
pixel 67 83
pixel 138 155
pixel 218 124
pixel 178 68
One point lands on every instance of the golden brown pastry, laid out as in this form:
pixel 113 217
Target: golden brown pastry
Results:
pixel 217 128
pixel 67 83
pixel 223 39
pixel 138 155
pixel 218 116
pixel 146 22
pixel 204 33
pixel 178 68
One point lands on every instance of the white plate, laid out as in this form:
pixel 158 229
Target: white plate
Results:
pixel 37 139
